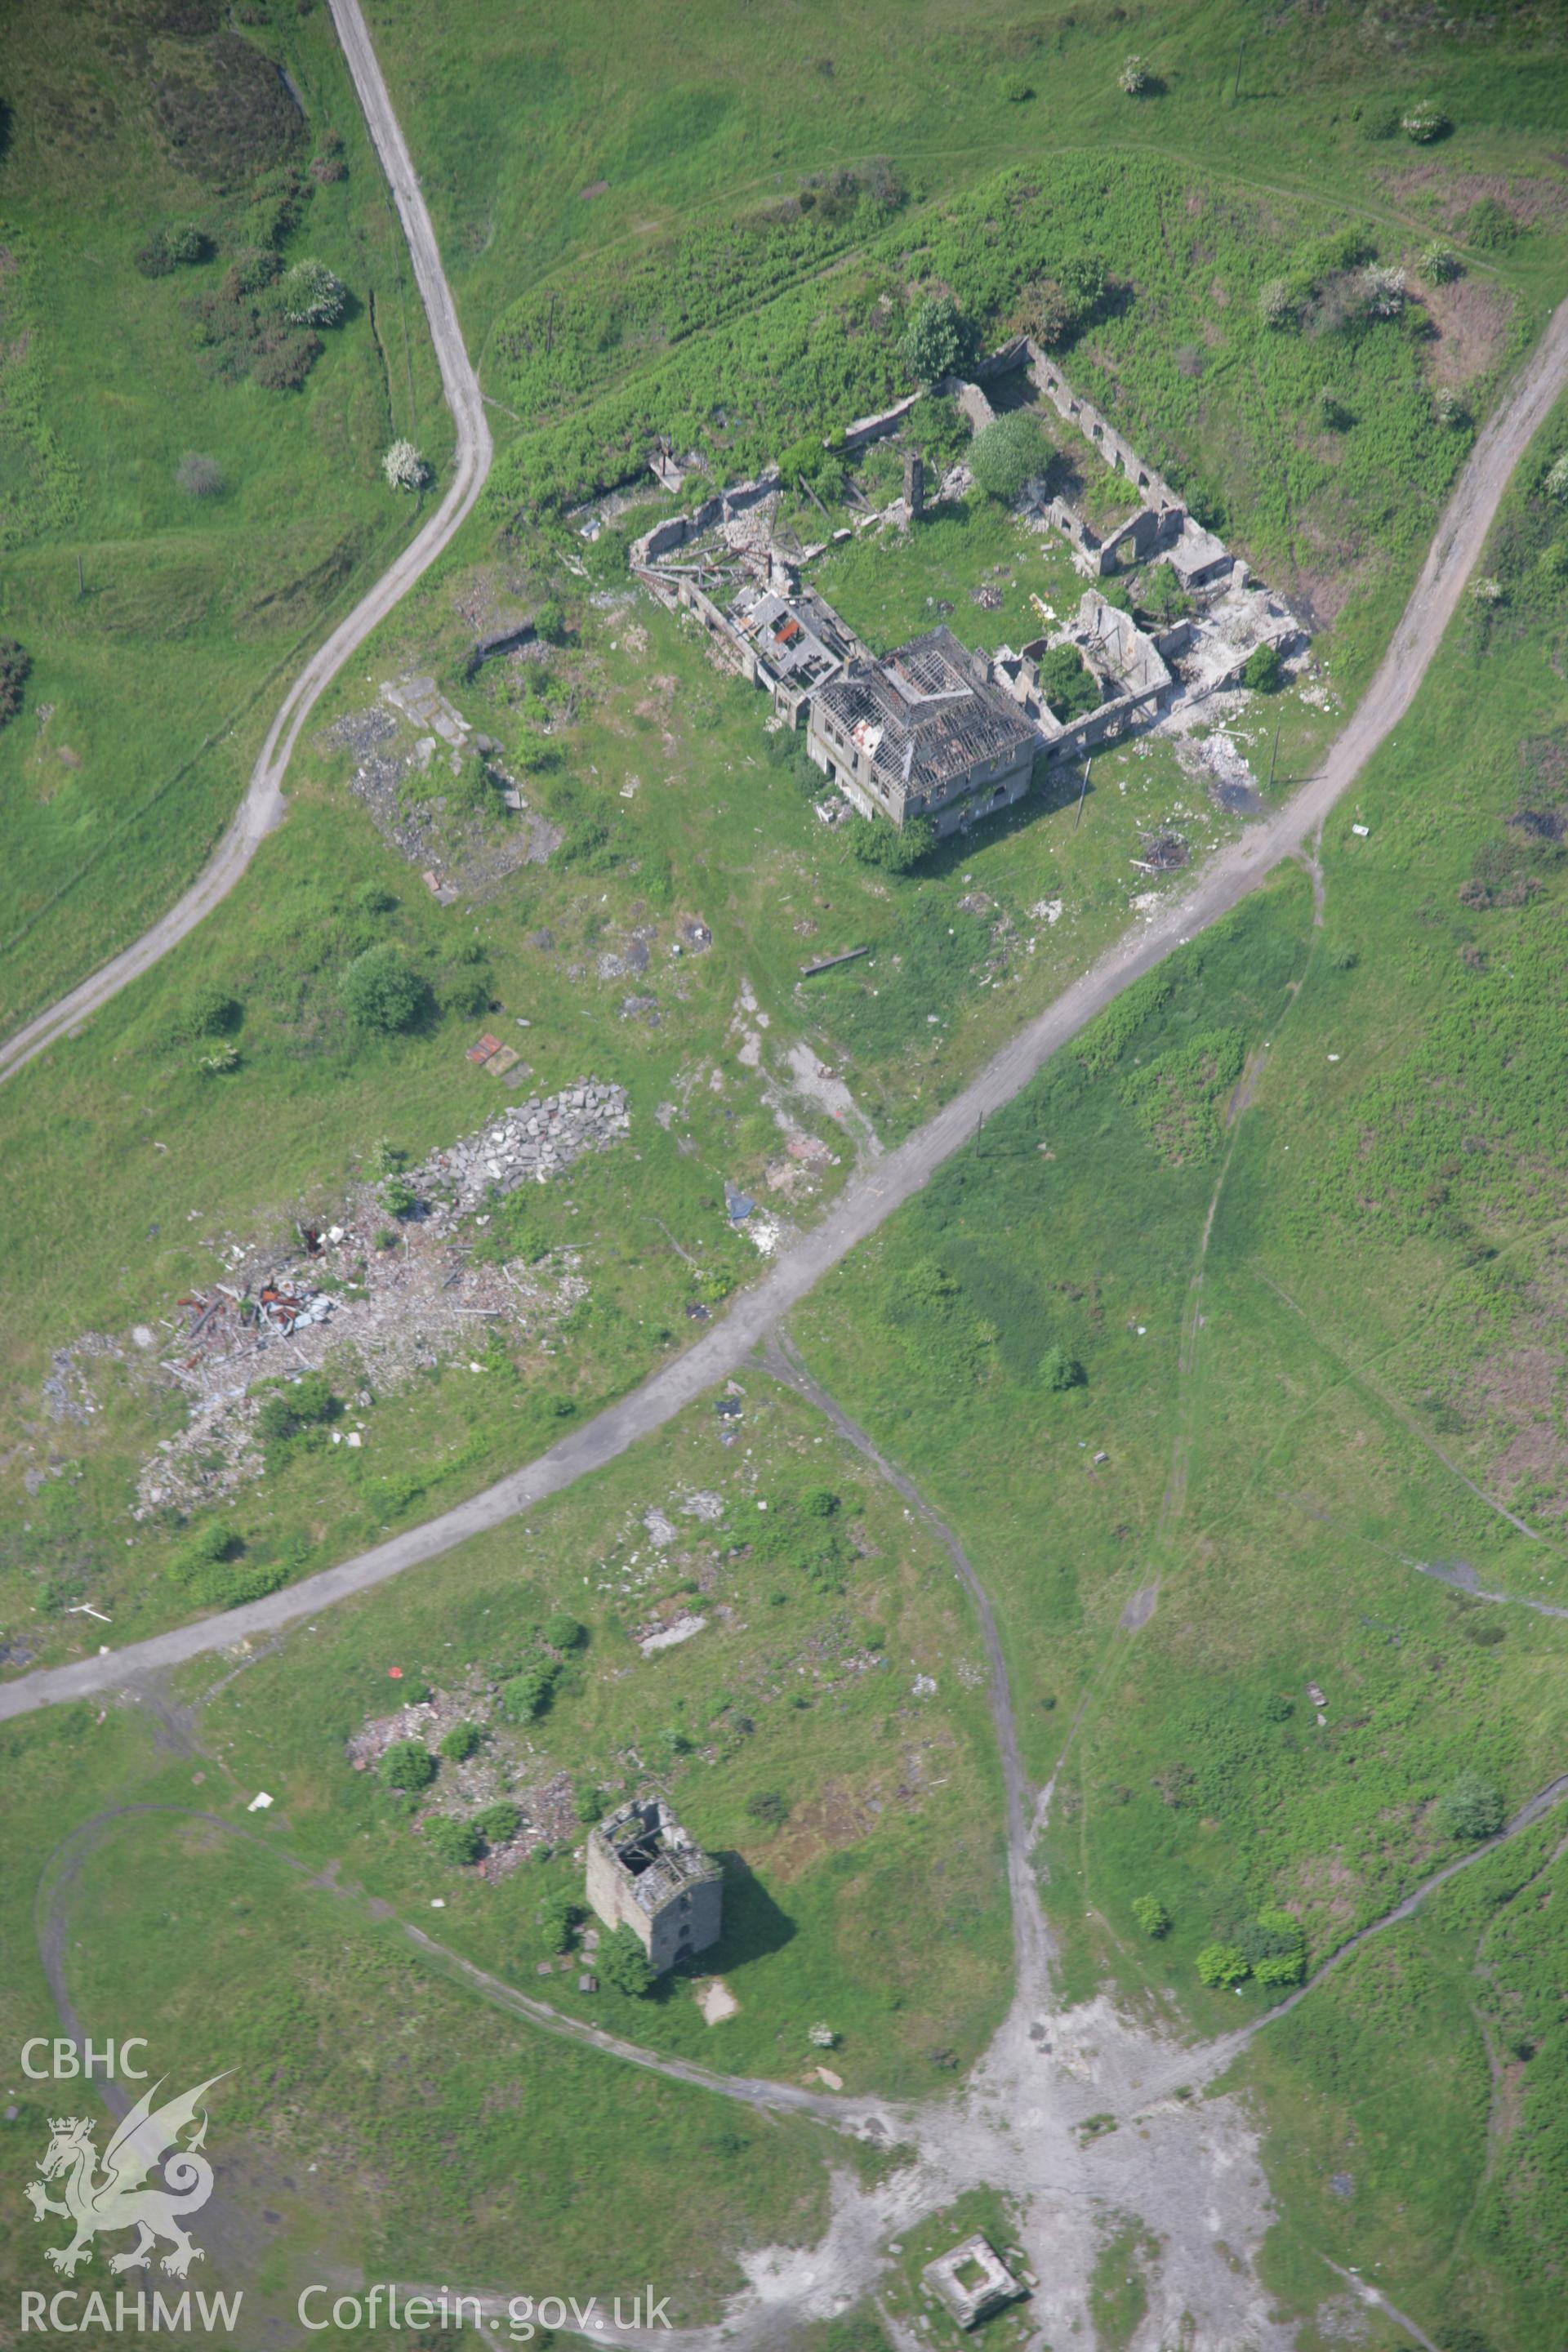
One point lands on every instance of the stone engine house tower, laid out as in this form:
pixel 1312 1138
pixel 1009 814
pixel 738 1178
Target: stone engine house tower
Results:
pixel 645 1873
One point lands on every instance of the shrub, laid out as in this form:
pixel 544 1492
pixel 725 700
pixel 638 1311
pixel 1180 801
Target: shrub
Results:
pixel 768 1805
pixel 1059 1372
pixel 398 1197
pixel 1555 486
pixel 305 1403
pixel 1134 79
pixel 1263 670
pixel 458 1843
pixel 16 662
pixel 1067 684
pixel 1472 1809
pixel 937 339
pixel 1441 264
pixel 588 1803
pixel 563 1633
pixel 820 1503
pixel 172 248
pixel 1331 409
pixel 210 1544
pixel 1275 1949
pixel 1424 123
pixel 877 842
pixel 206 1013
pixel 404 467
pixel 407 1765
pixel 381 990
pixel 1007 454
pixel 1277 304
pixel 1151 1916
pixel 499 1823
pixel 1382 291
pixel 1488 591
pixel 625 1964
pixel 550 623
pixel 1017 88
pixel 199 478
pixel 313 296
pixel 559 1914
pixel 1448 408
pixel 527 1695
pixel 1223 1964
pixel 461 1742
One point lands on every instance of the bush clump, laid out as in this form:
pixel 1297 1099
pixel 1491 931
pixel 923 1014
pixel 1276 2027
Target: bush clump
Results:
pixel 312 295
pixel 623 1964
pixel 407 1765
pixel 527 1695
pixel 890 848
pixel 499 1823
pixel 1134 80
pixel 1067 683
pixel 381 990
pixel 1441 264
pixel 1009 453
pixel 197 477
pixel 16 662
pixel 461 1742
pixel 563 1632
pixel 1425 123
pixel 296 1406
pixel 175 247
pixel 1223 1964
pixel 404 467
pixel 1059 1372
pixel 938 341
pixel 457 1843
pixel 560 1914
pixel 1472 1809
pixel 1263 670
pixel 1151 1916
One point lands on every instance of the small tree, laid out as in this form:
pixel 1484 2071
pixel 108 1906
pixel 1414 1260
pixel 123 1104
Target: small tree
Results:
pixel 1472 1809
pixel 625 1964
pixel 1382 291
pixel 381 990
pixel 937 341
pixel 588 1803
pixel 1441 264
pixel 307 1402
pixel 1276 304
pixel 527 1695
pixel 768 1806
pixel 1008 452
pixel 559 1916
pixel 313 296
pixel 1151 1916
pixel 1263 670
pixel 1425 123
pixel 550 623
pixel 1277 1948
pixel 563 1633
pixel 404 467
pixel 1134 80
pixel 461 1742
pixel 16 662
pixel 407 1765
pixel 1060 1372
pixel 1448 408
pixel 499 1823
pixel 457 1843
pixel 1556 486
pixel 886 846
pixel 1068 685
pixel 1223 1964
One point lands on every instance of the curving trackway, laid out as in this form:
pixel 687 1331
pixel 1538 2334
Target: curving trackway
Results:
pixel 262 808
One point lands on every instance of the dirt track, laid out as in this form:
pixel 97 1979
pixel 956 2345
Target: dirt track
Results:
pixel 263 808
pixel 872 1197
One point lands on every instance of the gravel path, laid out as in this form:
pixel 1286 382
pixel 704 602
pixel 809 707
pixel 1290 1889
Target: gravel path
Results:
pixel 872 1196
pixel 263 805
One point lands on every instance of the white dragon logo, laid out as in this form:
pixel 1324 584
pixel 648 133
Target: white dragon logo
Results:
pixel 146 2141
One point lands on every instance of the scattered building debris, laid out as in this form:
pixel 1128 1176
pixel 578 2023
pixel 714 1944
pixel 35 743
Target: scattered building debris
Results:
pixel 530 1142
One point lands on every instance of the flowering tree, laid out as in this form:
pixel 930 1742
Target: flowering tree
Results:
pixel 404 467
pixel 1134 78
pixel 313 296
pixel 1382 291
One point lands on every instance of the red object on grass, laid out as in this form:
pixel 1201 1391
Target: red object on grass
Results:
pixel 397 1673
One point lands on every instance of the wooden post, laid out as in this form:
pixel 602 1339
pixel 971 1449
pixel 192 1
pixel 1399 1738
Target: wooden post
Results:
pixel 1087 766
pixel 1236 86
pixel 1274 754
pixel 80 583
pixel 550 327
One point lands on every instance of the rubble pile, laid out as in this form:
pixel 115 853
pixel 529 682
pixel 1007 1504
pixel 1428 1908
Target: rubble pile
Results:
pixel 529 1143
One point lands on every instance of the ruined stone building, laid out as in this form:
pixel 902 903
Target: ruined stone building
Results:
pixel 924 732
pixel 645 1873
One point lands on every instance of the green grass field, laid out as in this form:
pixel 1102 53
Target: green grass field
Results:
pixel 1373 1388
pixel 156 669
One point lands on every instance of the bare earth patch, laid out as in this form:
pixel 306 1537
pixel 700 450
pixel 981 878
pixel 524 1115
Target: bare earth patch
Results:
pixel 1472 321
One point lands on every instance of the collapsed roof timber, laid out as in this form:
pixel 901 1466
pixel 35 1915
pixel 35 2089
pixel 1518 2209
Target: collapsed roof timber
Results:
pixel 933 730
